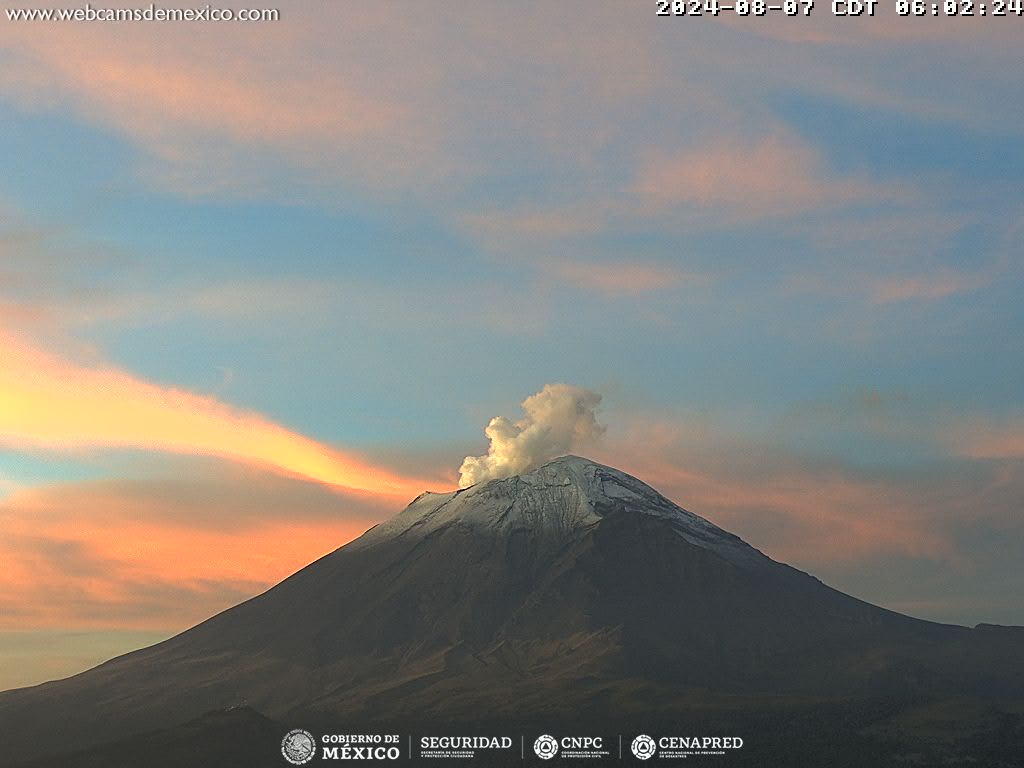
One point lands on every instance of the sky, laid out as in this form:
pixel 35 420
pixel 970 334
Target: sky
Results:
pixel 262 283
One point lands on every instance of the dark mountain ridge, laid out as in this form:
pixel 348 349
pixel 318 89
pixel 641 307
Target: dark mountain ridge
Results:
pixel 572 588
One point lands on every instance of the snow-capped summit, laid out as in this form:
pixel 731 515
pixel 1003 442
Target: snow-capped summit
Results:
pixel 555 502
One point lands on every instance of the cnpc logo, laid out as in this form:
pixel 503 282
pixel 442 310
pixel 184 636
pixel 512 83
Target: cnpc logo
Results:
pixel 547 746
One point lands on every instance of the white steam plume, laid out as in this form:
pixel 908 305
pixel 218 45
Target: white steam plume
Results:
pixel 558 419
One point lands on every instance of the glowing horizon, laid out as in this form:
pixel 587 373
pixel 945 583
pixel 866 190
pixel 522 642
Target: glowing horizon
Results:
pixel 52 403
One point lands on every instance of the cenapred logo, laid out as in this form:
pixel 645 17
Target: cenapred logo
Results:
pixel 546 747
pixel 643 747
pixel 298 746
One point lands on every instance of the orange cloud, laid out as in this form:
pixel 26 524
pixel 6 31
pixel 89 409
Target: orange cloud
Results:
pixel 202 101
pixel 938 286
pixel 940 283
pixel 121 554
pixel 808 517
pixel 807 513
pixel 624 278
pixel 50 402
pixel 985 440
pixel 405 95
pixel 776 176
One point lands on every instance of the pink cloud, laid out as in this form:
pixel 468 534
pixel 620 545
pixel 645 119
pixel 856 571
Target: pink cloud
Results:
pixel 940 283
pixel 623 278
pixel 812 517
pixel 161 554
pixel 937 286
pixel 202 101
pixel 408 99
pixel 983 439
pixel 775 176
pixel 799 511
pixel 382 98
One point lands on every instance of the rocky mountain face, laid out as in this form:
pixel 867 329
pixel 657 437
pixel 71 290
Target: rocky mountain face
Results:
pixel 574 588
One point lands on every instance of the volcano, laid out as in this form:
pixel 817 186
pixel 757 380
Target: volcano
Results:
pixel 574 592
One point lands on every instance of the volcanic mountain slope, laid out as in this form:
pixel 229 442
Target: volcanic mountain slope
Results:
pixel 574 587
